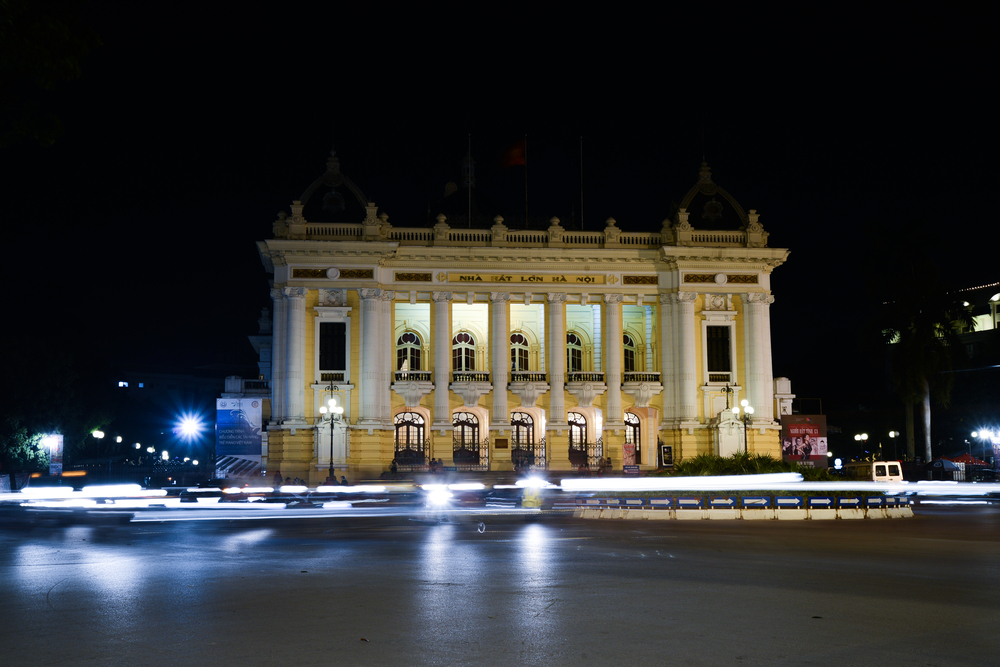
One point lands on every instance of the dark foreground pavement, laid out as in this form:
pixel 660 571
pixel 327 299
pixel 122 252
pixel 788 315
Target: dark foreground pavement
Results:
pixel 391 591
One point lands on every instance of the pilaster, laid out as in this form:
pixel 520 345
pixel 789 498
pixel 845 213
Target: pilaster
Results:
pixel 500 351
pixel 295 394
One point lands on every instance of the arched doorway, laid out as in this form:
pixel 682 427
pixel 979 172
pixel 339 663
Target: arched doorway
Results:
pixel 632 454
pixel 582 452
pixel 525 452
pixel 409 439
pixel 469 452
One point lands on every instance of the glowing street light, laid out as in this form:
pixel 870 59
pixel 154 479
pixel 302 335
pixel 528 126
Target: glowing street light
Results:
pixel 332 412
pixel 863 438
pixel 189 427
pixel 746 419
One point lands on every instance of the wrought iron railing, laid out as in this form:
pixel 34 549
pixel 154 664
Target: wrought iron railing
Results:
pixel 642 377
pixel 589 376
pixel 333 376
pixel 529 456
pixel 720 377
pixel 413 376
pixel 470 376
pixel 411 456
pixel 527 376
pixel 587 455
pixel 471 455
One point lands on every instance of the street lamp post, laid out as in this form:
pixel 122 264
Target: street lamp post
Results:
pixel 332 411
pixel 747 412
pixel 863 438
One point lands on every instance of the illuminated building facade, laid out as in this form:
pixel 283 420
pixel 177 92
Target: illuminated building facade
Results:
pixel 498 348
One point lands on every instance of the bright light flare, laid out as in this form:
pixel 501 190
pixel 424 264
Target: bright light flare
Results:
pixel 467 486
pixel 113 491
pixel 535 483
pixel 190 426
pixel 438 497
pixel 350 489
pixel 718 483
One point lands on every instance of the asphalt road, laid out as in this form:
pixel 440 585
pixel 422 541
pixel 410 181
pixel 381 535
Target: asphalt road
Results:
pixel 556 591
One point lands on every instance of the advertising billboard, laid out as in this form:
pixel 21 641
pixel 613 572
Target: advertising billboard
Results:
pixel 238 427
pixel 803 439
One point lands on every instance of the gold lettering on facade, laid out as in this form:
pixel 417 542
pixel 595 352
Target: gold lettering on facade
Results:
pixel 532 278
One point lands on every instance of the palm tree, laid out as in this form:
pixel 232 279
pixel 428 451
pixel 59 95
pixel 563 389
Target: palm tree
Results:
pixel 922 325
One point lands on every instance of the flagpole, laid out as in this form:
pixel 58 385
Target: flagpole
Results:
pixel 470 180
pixel 526 181
pixel 581 182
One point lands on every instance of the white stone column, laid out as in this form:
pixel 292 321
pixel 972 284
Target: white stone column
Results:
pixel 613 316
pixel 295 394
pixel 757 343
pixel 687 381
pixel 667 354
pixel 386 347
pixel 370 372
pixel 279 331
pixel 557 358
pixel 442 358
pixel 500 351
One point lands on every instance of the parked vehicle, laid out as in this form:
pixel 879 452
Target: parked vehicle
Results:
pixel 875 471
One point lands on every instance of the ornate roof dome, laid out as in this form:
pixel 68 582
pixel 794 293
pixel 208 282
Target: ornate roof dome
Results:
pixel 711 207
pixel 333 197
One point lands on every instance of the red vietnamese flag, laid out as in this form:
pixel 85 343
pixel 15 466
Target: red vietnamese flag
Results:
pixel 515 155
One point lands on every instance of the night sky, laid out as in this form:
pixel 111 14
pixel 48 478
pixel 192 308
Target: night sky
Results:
pixel 133 237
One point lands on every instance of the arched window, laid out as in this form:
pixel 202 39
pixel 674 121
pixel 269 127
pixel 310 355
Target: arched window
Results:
pixel 463 352
pixel 466 428
pixel 632 440
pixel 522 429
pixel 577 430
pixel 408 349
pixel 629 356
pixel 574 353
pixel 518 352
pixel 409 431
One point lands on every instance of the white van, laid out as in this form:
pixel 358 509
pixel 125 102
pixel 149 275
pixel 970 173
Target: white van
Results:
pixel 875 471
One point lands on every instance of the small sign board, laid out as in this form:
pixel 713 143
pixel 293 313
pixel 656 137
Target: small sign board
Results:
pixel 630 470
pixel 725 502
pixel 661 503
pixel 667 455
pixel 756 501
pixel 689 503
pixel 849 501
pixel 500 443
pixel 821 501
pixel 788 502
pixel 634 502
pixel 873 501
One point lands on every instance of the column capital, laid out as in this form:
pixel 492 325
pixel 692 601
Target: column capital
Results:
pixel 666 299
pixel 369 293
pixel 499 297
pixel 277 293
pixel 612 299
pixel 556 297
pixel 295 292
pixel 686 297
pixel 387 295
pixel 759 298
pixel 441 296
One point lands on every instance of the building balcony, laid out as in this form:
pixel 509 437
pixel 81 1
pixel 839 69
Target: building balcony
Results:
pixel 642 387
pixel 237 387
pixel 333 376
pixel 413 376
pixel 588 376
pixel 470 376
pixel 527 376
